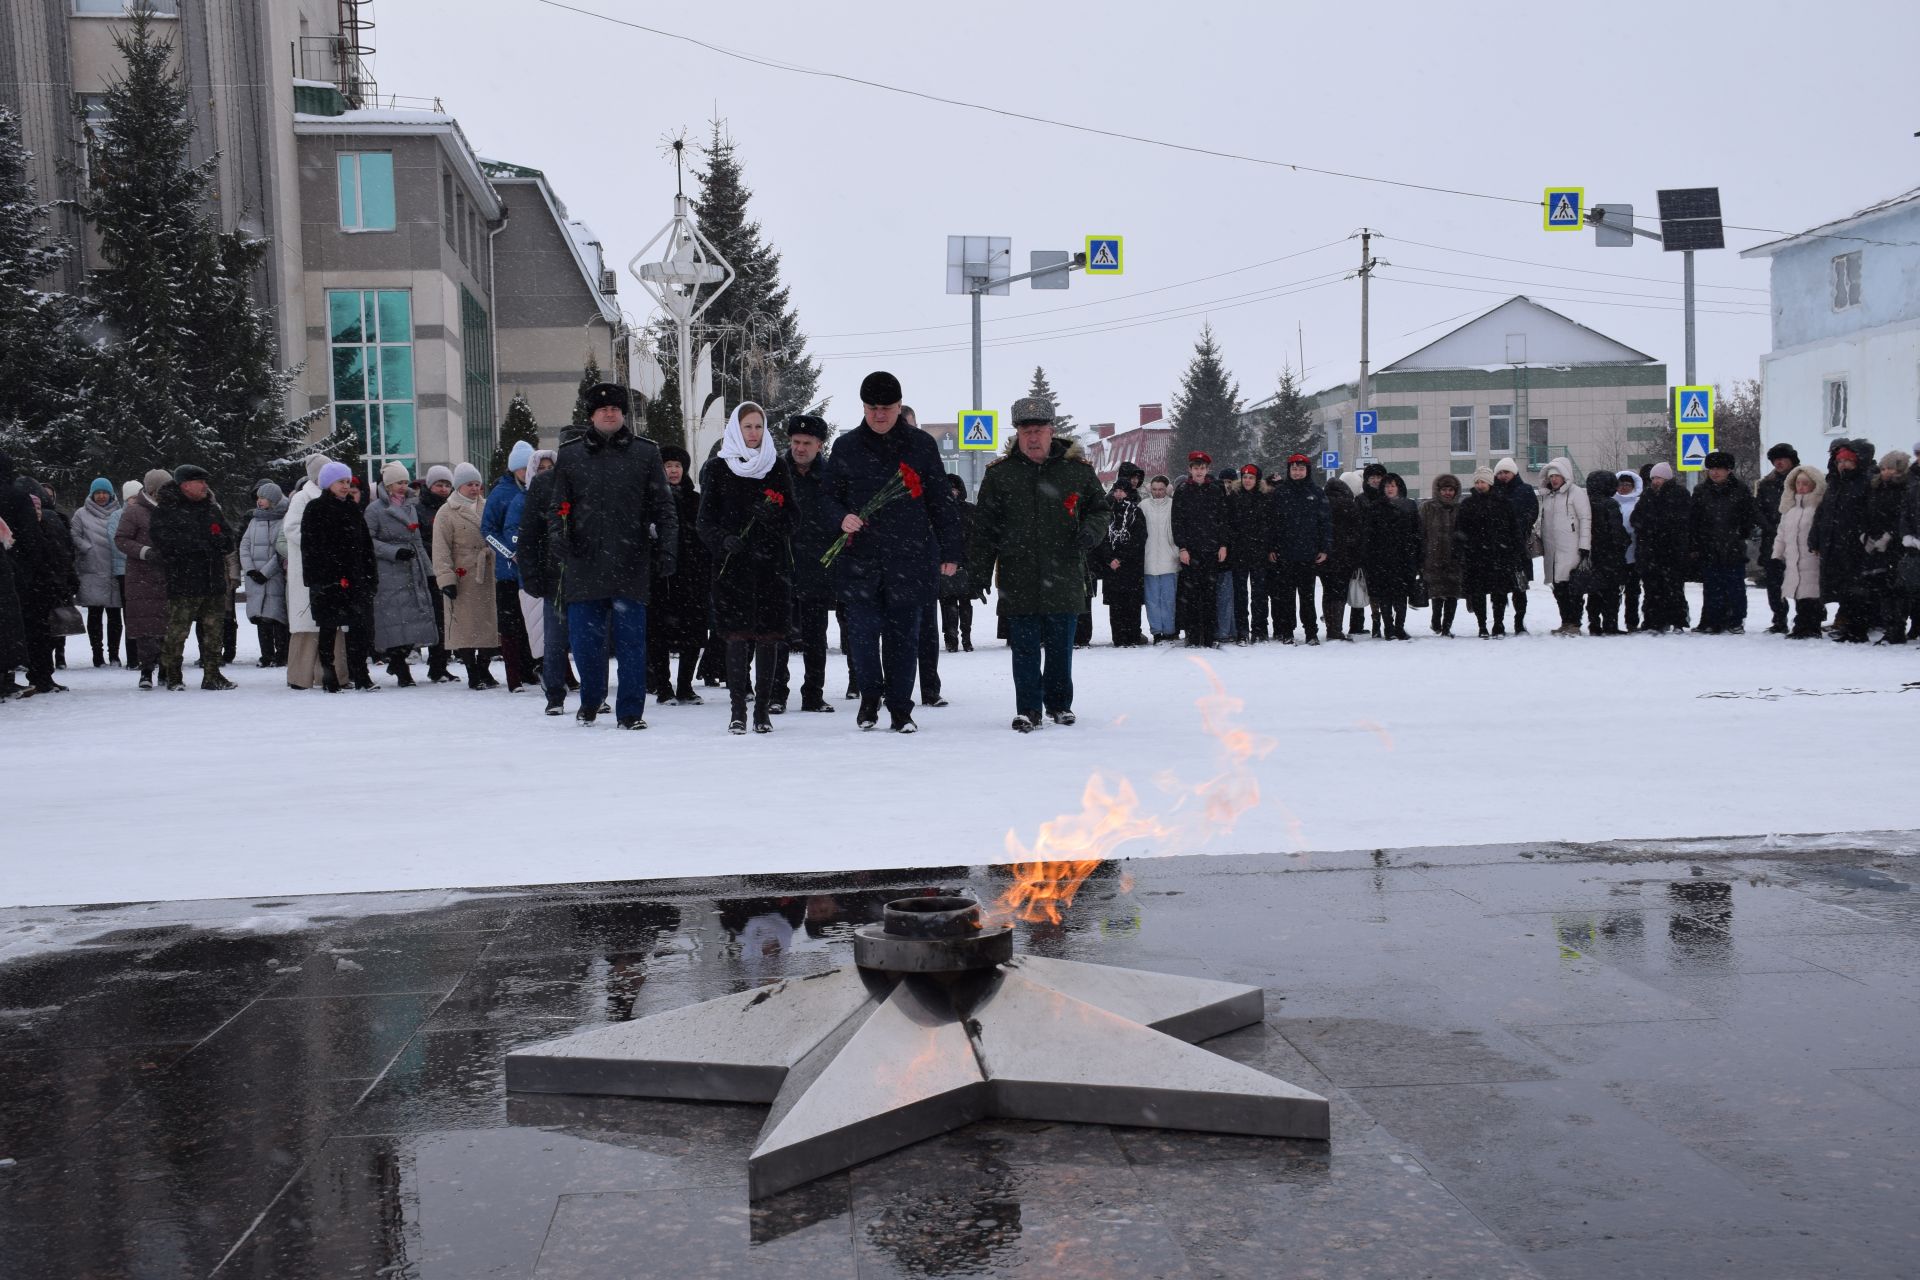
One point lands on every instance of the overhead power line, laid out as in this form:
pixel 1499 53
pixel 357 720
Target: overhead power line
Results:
pixel 1585 271
pixel 1097 302
pixel 1547 297
pixel 1622 293
pixel 796 69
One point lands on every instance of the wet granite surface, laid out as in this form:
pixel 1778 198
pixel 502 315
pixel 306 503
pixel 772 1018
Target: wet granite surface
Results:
pixel 1543 1061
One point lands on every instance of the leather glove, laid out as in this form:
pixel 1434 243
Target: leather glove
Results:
pixel 451 590
pixel 404 553
pixel 256 576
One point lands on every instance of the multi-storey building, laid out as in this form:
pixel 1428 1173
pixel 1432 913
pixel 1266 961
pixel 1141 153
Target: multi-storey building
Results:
pixel 418 285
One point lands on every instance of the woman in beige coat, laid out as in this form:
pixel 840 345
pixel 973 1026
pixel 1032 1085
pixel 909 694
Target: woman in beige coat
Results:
pixel 463 570
pixel 1793 546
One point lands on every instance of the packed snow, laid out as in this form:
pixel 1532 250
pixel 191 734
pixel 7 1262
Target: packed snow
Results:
pixel 115 795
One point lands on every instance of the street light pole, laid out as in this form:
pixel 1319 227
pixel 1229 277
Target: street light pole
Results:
pixel 977 287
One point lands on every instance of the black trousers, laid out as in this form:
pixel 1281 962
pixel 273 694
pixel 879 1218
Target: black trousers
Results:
pixel 809 636
pixel 1477 605
pixel 1666 604
pixel 956 621
pixel 1569 601
pixel 929 653
pixel 1292 588
pixel 1603 610
pixel 1196 607
pixel 1249 603
pixel 359 641
pixel 95 615
pixel 1630 595
pixel 1776 578
pixel 1333 598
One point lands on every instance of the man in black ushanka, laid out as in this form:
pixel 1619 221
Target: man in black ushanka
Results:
pixel 888 571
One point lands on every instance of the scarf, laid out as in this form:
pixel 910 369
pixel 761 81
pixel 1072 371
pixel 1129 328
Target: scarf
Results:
pixel 748 464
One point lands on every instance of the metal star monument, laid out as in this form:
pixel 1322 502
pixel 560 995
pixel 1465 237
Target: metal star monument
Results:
pixel 937 1025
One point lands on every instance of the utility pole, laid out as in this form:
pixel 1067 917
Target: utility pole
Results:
pixel 977 288
pixel 1363 391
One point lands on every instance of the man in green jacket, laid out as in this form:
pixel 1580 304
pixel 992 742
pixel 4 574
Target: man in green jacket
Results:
pixel 1040 510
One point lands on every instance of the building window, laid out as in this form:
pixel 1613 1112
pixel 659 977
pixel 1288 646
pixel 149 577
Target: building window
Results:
pixel 1836 399
pixel 460 225
pixel 1846 280
pixel 1460 422
pixel 120 8
pixel 366 190
pixel 1500 429
pixel 371 332
pixel 478 350
pixel 93 118
pixel 446 205
pixel 1536 443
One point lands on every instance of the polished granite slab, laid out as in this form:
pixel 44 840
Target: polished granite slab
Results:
pixel 1553 1061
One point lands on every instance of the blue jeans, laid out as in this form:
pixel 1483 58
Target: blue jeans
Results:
pixel 1223 627
pixel 1034 637
pixel 1723 591
pixel 553 659
pixel 883 643
pixel 1160 593
pixel 591 624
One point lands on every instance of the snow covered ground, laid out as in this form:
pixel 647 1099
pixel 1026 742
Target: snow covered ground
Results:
pixel 116 795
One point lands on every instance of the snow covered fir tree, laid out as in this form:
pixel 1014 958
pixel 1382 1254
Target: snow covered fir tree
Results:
pixel 1206 408
pixel 1289 427
pixel 188 372
pixel 43 336
pixel 1063 425
pixel 516 426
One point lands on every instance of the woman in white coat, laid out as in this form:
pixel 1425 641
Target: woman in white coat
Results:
pixel 1162 562
pixel 1793 546
pixel 1565 527
pixel 303 640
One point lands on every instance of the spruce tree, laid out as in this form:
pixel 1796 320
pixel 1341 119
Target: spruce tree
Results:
pixel 43 346
pixel 1206 408
pixel 189 374
pixel 1063 424
pixel 766 360
pixel 1290 427
pixel 589 379
pixel 519 424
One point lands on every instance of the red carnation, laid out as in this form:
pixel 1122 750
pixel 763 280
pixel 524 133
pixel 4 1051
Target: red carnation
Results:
pixel 413 528
pixel 345 583
pixel 215 528
pixel 773 496
pixel 566 509
pixel 458 573
pixel 1073 503
pixel 912 480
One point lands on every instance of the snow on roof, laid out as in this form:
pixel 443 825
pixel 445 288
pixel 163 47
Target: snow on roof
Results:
pixel 376 115
pixel 1771 247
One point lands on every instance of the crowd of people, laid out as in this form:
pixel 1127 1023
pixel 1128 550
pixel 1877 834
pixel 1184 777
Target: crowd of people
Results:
pixel 608 550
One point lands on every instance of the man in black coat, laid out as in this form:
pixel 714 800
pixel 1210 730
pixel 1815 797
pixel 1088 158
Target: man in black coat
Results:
pixel 1247 542
pixel 611 510
pixel 1122 556
pixel 193 538
pixel 24 638
pixel 1661 521
pixel 888 571
pixel 1525 505
pixel 1721 523
pixel 812 534
pixel 1199 530
pixel 1299 543
pixel 1766 502
pixel 1840 537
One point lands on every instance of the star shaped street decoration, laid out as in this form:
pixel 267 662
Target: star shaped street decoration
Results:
pixel 861 1061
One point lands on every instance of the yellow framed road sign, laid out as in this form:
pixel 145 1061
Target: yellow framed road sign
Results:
pixel 1106 255
pixel 979 429
pixel 1565 208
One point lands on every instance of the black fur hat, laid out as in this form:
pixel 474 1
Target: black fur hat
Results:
pixel 674 453
pixel 606 394
pixel 806 424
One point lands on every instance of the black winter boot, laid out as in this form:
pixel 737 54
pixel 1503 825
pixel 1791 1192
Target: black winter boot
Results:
pixel 739 683
pixel 764 676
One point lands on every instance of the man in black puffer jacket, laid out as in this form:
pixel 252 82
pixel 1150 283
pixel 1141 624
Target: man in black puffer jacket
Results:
pixel 192 536
pixel 1299 543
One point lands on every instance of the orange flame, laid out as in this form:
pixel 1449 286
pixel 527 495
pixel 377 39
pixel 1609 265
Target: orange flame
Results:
pixel 1069 847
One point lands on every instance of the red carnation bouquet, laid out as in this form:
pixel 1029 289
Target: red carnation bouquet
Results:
pixel 905 482
pixel 1073 503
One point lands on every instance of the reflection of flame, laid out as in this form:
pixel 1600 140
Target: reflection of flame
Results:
pixel 1069 847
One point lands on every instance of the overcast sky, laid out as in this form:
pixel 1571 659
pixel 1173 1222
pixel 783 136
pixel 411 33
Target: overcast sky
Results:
pixel 1798 115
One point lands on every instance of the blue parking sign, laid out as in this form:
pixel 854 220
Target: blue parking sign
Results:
pixel 1330 461
pixel 1366 422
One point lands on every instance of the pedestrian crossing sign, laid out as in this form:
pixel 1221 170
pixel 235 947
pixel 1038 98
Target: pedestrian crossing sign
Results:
pixel 1106 255
pixel 979 429
pixel 1693 407
pixel 1565 207
pixel 1695 445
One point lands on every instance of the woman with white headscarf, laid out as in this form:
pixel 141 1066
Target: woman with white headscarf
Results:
pixel 746 505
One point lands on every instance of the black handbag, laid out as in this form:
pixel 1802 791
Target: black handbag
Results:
pixel 1417 598
pixel 1580 581
pixel 65 620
